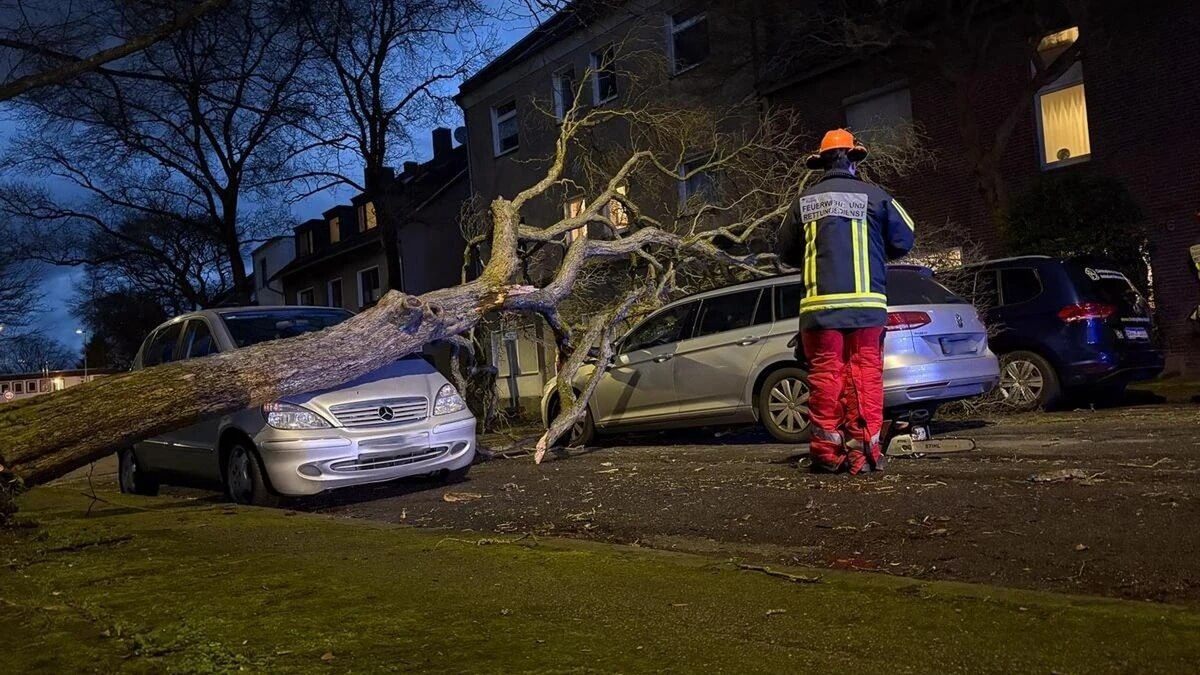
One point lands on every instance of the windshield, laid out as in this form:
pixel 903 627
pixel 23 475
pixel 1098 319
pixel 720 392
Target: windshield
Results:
pixel 252 326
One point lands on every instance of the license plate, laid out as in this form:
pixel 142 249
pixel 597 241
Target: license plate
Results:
pixel 1136 333
pixel 957 347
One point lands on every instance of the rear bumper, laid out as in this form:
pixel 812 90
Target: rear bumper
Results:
pixel 940 381
pixel 1113 367
pixel 307 466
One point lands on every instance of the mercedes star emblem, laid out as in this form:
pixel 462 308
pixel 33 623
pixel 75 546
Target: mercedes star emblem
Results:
pixel 386 414
pixel 958 318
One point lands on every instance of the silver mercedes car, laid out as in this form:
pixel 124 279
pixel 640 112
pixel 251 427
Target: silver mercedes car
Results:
pixel 723 358
pixel 402 420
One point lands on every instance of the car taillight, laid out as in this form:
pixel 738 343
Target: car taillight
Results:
pixel 1086 310
pixel 907 320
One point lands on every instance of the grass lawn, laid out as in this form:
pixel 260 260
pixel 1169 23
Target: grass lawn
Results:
pixel 162 585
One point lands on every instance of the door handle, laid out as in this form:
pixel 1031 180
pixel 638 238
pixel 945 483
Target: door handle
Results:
pixel 747 341
pixel 664 358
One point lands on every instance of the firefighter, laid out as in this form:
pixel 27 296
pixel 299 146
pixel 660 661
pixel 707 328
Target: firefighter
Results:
pixel 842 231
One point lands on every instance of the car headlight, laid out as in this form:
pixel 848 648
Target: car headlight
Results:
pixel 448 401
pixel 289 416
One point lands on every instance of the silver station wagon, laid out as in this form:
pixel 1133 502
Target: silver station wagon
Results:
pixel 402 420
pixel 723 358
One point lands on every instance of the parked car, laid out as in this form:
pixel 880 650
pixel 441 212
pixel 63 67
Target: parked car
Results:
pixel 723 358
pixel 1064 326
pixel 402 420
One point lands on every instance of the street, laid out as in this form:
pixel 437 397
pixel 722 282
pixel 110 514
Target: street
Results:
pixel 1086 502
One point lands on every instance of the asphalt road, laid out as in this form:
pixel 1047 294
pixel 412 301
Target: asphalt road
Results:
pixel 1093 502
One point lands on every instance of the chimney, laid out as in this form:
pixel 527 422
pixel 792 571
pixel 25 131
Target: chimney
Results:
pixel 443 143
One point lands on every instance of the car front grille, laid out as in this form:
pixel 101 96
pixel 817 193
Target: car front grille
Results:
pixel 387 461
pixel 381 412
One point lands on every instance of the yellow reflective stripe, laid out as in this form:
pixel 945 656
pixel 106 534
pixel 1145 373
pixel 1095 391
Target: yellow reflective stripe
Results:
pixel 904 214
pixel 864 258
pixel 810 258
pixel 837 297
pixel 856 252
pixel 805 309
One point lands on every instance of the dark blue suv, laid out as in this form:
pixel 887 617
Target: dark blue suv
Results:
pixel 1063 326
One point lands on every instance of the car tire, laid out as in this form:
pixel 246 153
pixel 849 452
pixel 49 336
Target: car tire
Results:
pixel 1028 382
pixel 245 479
pixel 583 433
pixel 132 478
pixel 783 405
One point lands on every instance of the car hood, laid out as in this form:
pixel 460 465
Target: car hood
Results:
pixel 400 379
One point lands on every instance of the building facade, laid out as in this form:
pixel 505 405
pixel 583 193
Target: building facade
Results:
pixel 268 259
pixel 18 386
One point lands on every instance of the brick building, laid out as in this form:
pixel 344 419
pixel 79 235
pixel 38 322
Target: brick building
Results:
pixel 1123 109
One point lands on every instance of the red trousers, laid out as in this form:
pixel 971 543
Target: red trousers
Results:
pixel 846 378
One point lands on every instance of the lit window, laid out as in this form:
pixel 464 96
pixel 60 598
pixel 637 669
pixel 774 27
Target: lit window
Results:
pixel 335 230
pixel 505 129
pixel 1062 106
pixel 689 40
pixel 696 184
pixel 369 288
pixel 882 116
pixel 604 75
pixel 572 209
pixel 618 215
pixel 306 297
pixel 564 92
pixel 366 213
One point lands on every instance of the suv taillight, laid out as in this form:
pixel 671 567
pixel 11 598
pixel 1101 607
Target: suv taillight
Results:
pixel 1086 310
pixel 907 320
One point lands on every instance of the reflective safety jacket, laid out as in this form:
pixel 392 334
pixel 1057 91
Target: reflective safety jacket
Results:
pixel 842 232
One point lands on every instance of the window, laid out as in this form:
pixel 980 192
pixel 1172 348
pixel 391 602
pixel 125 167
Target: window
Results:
pixel 197 340
pixel 1062 107
pixel 668 326
pixel 31 387
pixel 564 92
pixel 46 387
pixel 366 215
pixel 306 297
pixel 907 287
pixel 4 386
pixel 306 242
pixel 505 129
pixel 18 387
pixel 695 184
pixel 617 214
pixel 882 116
pixel 335 230
pixel 261 271
pixel 250 327
pixel 1019 285
pixel 604 75
pixel 369 289
pixel 725 313
pixel 787 301
pixel 689 40
pixel 161 348
pixel 572 209
pixel 333 293
pixel 986 293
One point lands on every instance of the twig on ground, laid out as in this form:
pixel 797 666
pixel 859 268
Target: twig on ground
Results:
pixel 487 541
pixel 1146 466
pixel 794 578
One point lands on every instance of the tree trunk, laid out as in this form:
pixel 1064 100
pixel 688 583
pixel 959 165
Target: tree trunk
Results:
pixel 48 436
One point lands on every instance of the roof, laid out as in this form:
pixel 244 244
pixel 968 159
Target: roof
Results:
pixel 272 240
pixel 575 15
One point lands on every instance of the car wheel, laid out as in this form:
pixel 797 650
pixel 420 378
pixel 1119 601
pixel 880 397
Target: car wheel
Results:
pixel 132 478
pixel 582 433
pixel 244 478
pixel 783 405
pixel 1028 382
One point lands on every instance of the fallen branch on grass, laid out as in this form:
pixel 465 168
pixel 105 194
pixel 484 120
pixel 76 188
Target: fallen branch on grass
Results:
pixel 794 578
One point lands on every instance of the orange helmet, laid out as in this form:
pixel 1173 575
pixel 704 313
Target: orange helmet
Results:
pixel 838 139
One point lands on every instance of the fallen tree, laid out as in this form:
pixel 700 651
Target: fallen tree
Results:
pixel 756 151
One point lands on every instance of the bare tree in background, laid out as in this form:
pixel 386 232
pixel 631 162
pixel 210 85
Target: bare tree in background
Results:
pixel 178 134
pixel 33 353
pixel 387 67
pixel 45 43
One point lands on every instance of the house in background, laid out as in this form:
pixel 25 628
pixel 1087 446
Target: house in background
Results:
pixel 340 258
pixel 17 386
pixel 270 257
